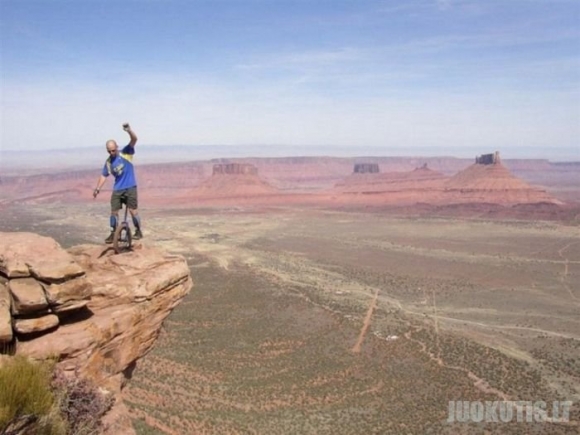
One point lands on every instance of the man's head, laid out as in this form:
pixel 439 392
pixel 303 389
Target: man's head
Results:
pixel 112 148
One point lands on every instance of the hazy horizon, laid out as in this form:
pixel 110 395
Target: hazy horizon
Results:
pixel 94 156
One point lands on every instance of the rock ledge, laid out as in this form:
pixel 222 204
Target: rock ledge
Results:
pixel 97 312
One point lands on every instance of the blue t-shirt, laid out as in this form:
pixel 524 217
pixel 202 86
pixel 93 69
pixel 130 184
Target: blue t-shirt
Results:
pixel 121 166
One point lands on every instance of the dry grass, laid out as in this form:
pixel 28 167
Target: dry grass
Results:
pixel 27 398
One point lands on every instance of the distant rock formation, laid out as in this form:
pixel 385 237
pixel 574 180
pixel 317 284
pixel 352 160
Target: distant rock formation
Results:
pixel 488 159
pixel 233 180
pixel 486 181
pixel 96 312
pixel 404 186
pixel 489 181
pixel 366 168
pixel 186 181
pixel 234 169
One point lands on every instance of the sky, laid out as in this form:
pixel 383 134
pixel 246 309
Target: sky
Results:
pixel 431 76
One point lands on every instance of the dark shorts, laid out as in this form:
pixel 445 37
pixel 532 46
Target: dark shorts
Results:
pixel 125 196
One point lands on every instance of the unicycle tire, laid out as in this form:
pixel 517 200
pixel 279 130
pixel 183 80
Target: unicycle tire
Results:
pixel 122 239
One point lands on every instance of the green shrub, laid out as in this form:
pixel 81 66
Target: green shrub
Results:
pixel 26 397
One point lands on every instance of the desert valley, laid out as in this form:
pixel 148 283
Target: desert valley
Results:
pixel 344 295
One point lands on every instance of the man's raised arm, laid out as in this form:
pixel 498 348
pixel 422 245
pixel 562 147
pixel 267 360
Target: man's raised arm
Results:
pixel 132 134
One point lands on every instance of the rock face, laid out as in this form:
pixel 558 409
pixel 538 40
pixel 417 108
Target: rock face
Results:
pixel 98 313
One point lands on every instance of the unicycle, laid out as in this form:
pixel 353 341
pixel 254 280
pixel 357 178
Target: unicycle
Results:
pixel 122 238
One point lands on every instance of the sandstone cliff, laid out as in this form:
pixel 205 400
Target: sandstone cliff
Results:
pixel 98 313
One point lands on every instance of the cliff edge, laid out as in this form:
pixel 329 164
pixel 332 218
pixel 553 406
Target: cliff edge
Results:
pixel 96 312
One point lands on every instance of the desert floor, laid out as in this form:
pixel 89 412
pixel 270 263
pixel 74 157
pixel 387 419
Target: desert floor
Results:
pixel 317 321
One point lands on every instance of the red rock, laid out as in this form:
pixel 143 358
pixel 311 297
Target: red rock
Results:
pixel 414 184
pixel 309 180
pixel 27 254
pixel 130 296
pixel 233 180
pixel 27 296
pixel 494 184
pixel 35 325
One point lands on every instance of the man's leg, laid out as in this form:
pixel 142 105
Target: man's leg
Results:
pixel 137 223
pixel 114 218
pixel 132 204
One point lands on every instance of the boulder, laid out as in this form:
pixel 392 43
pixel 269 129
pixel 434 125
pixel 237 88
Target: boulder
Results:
pixel 11 265
pixel 27 296
pixel 69 307
pixel 69 295
pixel 28 254
pixel 35 325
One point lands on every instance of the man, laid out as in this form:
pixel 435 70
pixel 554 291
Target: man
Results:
pixel 120 164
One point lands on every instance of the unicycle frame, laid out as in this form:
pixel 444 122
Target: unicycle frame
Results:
pixel 122 239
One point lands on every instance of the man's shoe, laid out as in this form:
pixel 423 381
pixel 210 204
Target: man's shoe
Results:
pixel 138 235
pixel 110 238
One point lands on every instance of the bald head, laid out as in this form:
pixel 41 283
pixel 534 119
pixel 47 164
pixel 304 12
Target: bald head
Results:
pixel 112 147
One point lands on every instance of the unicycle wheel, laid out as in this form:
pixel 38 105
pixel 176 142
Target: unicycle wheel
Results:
pixel 122 239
